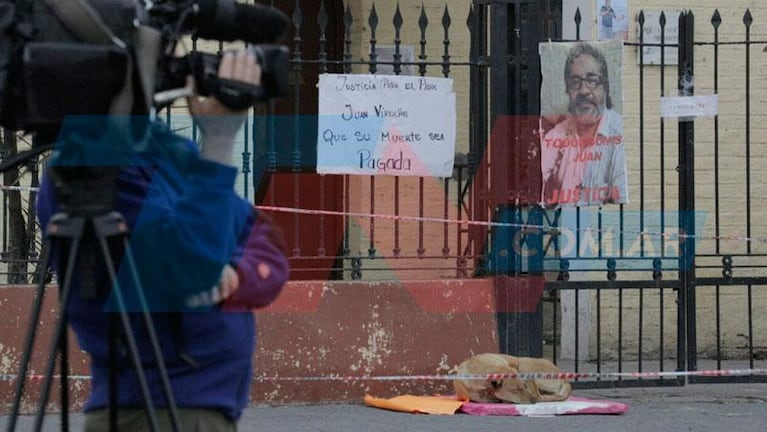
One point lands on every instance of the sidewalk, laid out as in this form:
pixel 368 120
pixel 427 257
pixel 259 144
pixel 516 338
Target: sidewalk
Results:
pixel 695 407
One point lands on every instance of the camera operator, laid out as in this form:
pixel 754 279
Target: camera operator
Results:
pixel 181 205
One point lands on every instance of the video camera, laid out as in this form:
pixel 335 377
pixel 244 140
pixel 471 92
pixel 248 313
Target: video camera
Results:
pixel 104 57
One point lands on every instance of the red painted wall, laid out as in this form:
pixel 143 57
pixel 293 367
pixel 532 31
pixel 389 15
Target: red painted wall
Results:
pixel 314 329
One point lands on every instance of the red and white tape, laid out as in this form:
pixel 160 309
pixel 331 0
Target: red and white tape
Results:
pixel 525 376
pixel 542 228
pixel 528 376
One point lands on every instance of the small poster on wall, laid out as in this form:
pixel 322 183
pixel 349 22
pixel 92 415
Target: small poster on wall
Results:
pixel 582 154
pixel 612 19
pixel 656 31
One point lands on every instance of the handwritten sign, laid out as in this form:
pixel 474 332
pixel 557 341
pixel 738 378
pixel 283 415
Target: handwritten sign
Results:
pixel 386 124
pixel 688 107
pixel 651 33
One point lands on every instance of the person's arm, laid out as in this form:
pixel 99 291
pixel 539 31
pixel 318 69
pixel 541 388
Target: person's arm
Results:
pixel 258 267
pixel 261 270
pixel 185 243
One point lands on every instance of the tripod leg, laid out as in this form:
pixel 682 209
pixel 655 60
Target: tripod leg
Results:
pixel 133 349
pixel 113 376
pixel 64 368
pixel 167 389
pixel 59 329
pixel 101 233
pixel 29 341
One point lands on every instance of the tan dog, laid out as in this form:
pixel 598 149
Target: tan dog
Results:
pixel 513 390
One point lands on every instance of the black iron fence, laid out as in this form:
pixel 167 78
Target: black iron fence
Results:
pixel 644 297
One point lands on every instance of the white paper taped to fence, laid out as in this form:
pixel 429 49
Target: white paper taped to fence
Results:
pixel 689 106
pixel 386 125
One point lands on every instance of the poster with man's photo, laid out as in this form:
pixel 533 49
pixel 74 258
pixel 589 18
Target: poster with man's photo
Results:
pixel 583 162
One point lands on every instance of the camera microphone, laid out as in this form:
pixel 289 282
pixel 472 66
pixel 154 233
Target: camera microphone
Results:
pixel 227 20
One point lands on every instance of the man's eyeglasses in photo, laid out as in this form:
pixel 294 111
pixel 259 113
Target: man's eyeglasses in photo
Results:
pixel 591 81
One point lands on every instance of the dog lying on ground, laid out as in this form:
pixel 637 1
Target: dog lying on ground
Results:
pixel 513 390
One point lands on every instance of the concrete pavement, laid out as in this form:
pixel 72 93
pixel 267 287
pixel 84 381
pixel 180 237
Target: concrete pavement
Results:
pixel 695 407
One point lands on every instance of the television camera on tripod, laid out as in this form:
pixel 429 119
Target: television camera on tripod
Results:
pixel 151 245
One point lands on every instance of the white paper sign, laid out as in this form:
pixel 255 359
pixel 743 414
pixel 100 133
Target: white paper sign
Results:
pixel 386 125
pixel 652 35
pixel 689 106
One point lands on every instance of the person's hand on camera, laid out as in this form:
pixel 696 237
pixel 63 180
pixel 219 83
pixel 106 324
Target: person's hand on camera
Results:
pixel 220 124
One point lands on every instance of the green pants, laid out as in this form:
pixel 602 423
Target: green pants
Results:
pixel 135 420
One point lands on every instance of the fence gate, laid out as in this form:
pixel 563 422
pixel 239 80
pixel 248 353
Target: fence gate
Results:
pixel 725 279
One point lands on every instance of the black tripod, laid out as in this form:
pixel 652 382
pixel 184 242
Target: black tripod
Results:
pixel 85 229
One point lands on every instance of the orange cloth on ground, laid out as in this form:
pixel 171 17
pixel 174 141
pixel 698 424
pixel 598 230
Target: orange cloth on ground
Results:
pixel 416 404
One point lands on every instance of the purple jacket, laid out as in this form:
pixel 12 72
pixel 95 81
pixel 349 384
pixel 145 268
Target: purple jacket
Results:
pixel 186 223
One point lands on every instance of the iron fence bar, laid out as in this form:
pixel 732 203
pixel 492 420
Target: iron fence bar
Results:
pixel 620 327
pixel 31 247
pixel 397 250
pixel 716 21
pixel 657 277
pixel 373 23
pixel 622 225
pixel 461 263
pixel 347 68
pixel 421 246
pixel 423 24
pixel 446 43
pixel 747 20
pixel 641 327
pixel 578 18
pixel 346 248
pixel 612 285
pixel 513 37
pixel 599 328
pixel 732 281
pixel 297 21
pixel 750 298
pixel 687 315
pixel 372 227
pixel 662 126
pixel 478 22
pixel 718 312
pixel 446 215
pixel 397 57
pixel 347 56
pixel 578 228
pixel 741 255
pixel 322 22
pixel 4 153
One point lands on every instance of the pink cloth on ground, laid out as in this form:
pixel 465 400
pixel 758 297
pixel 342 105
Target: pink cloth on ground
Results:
pixel 573 405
